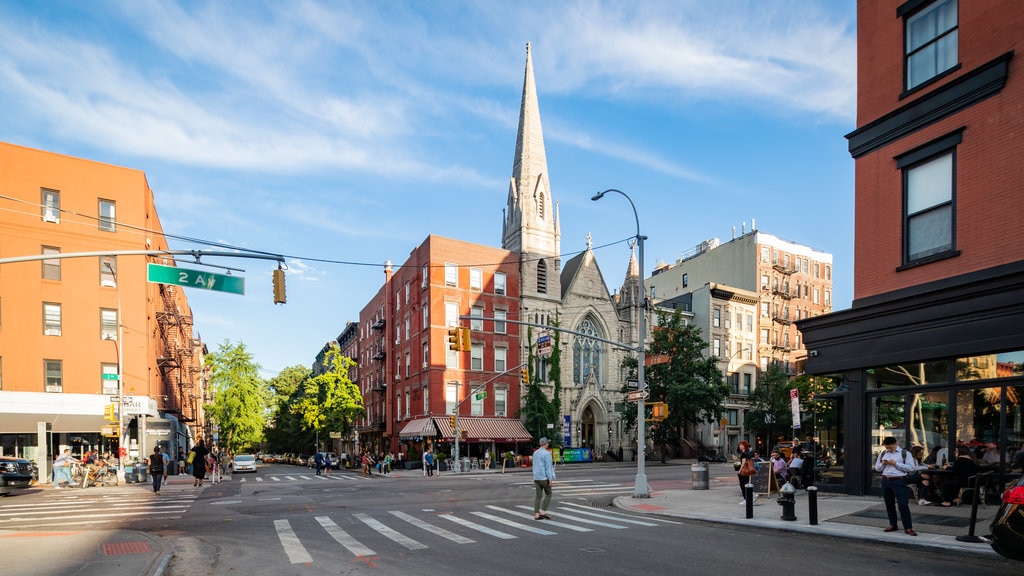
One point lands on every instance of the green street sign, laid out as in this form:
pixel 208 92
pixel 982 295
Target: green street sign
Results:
pixel 195 279
pixel 109 376
pixel 480 395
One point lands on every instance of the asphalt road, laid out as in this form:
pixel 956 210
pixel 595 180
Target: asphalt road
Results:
pixel 285 520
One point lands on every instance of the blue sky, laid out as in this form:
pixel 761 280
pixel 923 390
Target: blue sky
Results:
pixel 349 131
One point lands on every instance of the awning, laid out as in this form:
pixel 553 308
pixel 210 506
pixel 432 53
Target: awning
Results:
pixel 485 429
pixel 418 428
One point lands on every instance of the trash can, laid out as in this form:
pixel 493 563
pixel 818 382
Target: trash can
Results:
pixel 699 476
pixel 140 469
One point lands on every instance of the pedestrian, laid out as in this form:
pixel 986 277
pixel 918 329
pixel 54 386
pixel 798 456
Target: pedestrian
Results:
pixel 181 460
pixel 543 474
pixel 428 462
pixel 487 459
pixel 157 465
pixel 62 468
pixel 328 465
pixel 197 458
pixel 746 469
pixel 318 461
pixel 895 464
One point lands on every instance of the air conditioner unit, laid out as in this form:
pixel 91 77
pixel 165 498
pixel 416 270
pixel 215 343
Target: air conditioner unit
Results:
pixel 50 216
pixel 52 332
pixel 109 283
pixel 53 387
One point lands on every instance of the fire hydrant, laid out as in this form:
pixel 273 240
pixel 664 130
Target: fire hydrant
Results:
pixel 788 501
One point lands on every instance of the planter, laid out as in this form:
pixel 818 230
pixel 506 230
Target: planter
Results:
pixel 413 465
pixel 442 466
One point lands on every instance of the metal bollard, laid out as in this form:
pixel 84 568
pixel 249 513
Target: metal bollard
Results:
pixel 748 495
pixel 812 505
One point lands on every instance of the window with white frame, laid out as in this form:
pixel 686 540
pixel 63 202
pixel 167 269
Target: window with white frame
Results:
pixel 426 355
pixel 107 217
pixel 406 293
pixel 765 254
pixel 398 404
pixel 426 399
pixel 408 405
pixel 51 206
pixel 500 354
pixel 931 38
pixel 475 324
pixel 51 266
pixel 54 370
pixel 451 359
pixel 929 192
pixel 108 373
pixel 51 319
pixel 499 321
pixel 451 274
pixel 716 317
pixel 765 282
pixel 108 271
pixel 451 314
pixel 408 321
pixel 716 347
pixel 476 279
pixel 477 404
pixel 476 357
pixel 408 364
pixel 108 324
pixel 500 395
pixel 749 324
pixel 499 282
pixel 764 309
pixel 451 398
pixel 764 336
pixel 425 276
pixel 426 316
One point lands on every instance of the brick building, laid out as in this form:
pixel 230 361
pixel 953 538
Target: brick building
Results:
pixel 932 349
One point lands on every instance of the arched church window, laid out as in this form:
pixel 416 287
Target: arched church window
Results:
pixel 542 277
pixel 586 353
pixel 540 205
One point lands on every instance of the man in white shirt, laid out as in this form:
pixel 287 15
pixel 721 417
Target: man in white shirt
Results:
pixel 895 464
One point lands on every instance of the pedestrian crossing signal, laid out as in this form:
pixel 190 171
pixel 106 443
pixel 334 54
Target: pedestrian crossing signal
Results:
pixel 109 413
pixel 659 411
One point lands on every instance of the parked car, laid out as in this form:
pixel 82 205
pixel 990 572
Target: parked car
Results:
pixel 15 474
pixel 243 463
pixel 1007 529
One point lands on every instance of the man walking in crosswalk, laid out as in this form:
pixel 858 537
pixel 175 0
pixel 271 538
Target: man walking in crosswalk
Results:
pixel 543 474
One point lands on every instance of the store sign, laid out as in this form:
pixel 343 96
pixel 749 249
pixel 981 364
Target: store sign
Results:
pixel 138 405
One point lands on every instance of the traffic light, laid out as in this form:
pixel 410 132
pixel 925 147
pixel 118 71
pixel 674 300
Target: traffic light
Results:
pixel 659 411
pixel 524 376
pixel 279 295
pixel 453 421
pixel 454 339
pixel 465 343
pixel 109 413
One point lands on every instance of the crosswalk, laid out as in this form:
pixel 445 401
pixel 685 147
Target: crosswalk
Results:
pixel 366 535
pixel 77 507
pixel 297 477
pixel 584 487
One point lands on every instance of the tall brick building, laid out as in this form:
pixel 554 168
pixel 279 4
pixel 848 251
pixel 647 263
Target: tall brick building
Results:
pixel 932 350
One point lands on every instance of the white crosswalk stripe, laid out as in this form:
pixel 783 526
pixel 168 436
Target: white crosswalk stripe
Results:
pixel 514 524
pixel 390 533
pixel 344 538
pixel 437 530
pixel 584 487
pixel 478 527
pixel 584 520
pixel 76 508
pixel 293 548
pixel 546 522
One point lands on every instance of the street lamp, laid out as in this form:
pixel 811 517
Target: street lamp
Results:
pixel 122 450
pixel 640 488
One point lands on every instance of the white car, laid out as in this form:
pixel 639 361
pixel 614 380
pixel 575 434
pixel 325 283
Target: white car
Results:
pixel 244 463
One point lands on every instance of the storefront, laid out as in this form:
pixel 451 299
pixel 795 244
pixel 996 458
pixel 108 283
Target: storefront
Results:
pixel 477 437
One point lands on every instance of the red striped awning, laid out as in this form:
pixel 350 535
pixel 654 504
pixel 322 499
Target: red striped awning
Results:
pixel 479 429
pixel 419 428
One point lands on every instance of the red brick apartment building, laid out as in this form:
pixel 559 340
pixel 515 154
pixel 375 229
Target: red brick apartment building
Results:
pixel 932 350
pixel 411 381
pixel 65 321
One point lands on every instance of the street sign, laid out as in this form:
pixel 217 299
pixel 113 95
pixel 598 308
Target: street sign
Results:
pixel 480 395
pixel 632 384
pixel 544 346
pixel 652 359
pixel 637 395
pixel 109 376
pixel 115 399
pixel 159 274
pixel 108 431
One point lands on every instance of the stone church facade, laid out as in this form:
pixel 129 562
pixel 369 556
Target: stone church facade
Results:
pixel 573 292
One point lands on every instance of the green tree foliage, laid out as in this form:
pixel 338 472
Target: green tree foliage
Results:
pixel 537 410
pixel 689 383
pixel 284 430
pixel 329 401
pixel 240 398
pixel 771 414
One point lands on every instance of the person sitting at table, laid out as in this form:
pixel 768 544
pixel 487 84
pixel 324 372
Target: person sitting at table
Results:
pixel 779 467
pixel 920 477
pixel 990 457
pixel 795 464
pixel 964 466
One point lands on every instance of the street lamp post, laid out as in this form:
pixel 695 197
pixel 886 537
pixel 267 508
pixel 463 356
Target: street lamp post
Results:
pixel 640 488
pixel 122 450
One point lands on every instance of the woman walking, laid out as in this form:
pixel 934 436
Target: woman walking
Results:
pixel 198 458
pixel 746 469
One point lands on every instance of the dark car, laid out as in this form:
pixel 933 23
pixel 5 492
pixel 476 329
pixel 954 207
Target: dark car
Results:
pixel 15 474
pixel 1007 537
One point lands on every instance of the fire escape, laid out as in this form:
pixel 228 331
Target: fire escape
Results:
pixel 780 345
pixel 380 356
pixel 178 371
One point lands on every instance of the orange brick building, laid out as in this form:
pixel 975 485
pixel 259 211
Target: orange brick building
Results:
pixel 65 321
pixel 411 381
pixel 932 350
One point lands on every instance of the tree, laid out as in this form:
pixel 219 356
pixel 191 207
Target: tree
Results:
pixel 690 384
pixel 329 401
pixel 284 428
pixel 240 400
pixel 771 409
pixel 537 410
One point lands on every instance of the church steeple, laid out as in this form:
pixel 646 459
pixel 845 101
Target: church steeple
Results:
pixel 531 225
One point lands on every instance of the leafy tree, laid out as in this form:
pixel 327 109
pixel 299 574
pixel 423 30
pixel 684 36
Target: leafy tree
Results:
pixel 284 430
pixel 690 384
pixel 329 401
pixel 771 409
pixel 240 398
pixel 537 410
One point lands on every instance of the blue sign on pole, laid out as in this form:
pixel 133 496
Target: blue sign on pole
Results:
pixel 567 429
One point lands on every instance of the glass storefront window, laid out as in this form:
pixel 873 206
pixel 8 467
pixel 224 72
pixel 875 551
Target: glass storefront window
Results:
pixel 989 366
pixel 916 374
pixel 828 425
pixel 929 424
pixel 886 420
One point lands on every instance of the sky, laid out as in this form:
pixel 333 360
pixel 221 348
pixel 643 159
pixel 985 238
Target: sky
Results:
pixel 342 134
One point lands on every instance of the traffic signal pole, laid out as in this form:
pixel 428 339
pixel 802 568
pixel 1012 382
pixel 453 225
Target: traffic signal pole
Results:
pixel 455 412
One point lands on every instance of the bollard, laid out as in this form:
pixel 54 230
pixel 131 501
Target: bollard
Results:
pixel 748 495
pixel 698 477
pixel 788 501
pixel 812 505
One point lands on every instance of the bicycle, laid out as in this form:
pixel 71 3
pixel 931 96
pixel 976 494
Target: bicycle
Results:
pixel 104 476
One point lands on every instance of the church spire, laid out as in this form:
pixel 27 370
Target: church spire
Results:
pixel 531 225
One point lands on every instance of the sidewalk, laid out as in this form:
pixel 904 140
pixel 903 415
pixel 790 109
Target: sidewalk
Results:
pixel 839 515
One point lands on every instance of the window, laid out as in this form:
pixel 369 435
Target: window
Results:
pixel 108 373
pixel 764 282
pixel 765 254
pixel 685 281
pixel 426 399
pixel 51 319
pixel 499 401
pixel 764 309
pixel 586 353
pixel 746 383
pixel 51 206
pixel 477 404
pixel 451 398
pixel 785 261
pixel 499 321
pixel 716 347
pixel 500 354
pixel 106 219
pixel 930 42
pixel 828 297
pixel 817 270
pixel 716 320
pixel 476 357
pixel 51 266
pixel 408 364
pixel 408 406
pixel 542 277
pixel 54 370
pixel 499 282
pixel 406 293
pixel 451 274
pixel 398 404
pixel 451 314
pixel 476 279
pixel 474 324
pixel 408 321
pixel 817 296
pixel 398 300
pixel 929 189
pixel 424 276
pixel 108 324
pixel 764 335
pixel 108 271
pixel 426 316
pixel 728 320
pixel 734 416
pixel 749 324
pixel 426 355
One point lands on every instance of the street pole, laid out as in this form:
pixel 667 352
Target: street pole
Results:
pixel 640 487
pixel 122 449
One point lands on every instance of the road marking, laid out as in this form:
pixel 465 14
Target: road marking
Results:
pixel 307 477
pixel 514 524
pixel 344 538
pixel 275 478
pixel 614 513
pixel 578 519
pixel 392 534
pixel 478 527
pixel 292 547
pixel 596 515
pixel 292 478
pixel 546 522
pixel 436 530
